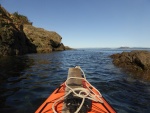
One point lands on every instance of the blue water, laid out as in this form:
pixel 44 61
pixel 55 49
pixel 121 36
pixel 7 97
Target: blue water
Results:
pixel 26 81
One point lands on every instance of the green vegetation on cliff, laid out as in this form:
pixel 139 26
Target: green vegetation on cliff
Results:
pixel 23 19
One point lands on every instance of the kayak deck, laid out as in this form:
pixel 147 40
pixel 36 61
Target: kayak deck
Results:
pixel 63 106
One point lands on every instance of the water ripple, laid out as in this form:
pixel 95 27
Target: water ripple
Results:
pixel 28 80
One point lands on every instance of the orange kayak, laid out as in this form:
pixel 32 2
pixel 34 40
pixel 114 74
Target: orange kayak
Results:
pixel 96 107
pixel 76 95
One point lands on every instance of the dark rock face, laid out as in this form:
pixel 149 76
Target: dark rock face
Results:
pixel 135 62
pixel 13 41
pixel 60 47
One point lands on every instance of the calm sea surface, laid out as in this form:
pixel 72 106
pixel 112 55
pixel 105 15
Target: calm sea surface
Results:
pixel 26 81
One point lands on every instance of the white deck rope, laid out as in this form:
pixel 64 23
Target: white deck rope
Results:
pixel 82 93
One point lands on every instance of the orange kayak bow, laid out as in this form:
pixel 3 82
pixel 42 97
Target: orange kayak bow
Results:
pixel 75 95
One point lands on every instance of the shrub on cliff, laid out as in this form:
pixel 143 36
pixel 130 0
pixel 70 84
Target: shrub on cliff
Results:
pixel 23 19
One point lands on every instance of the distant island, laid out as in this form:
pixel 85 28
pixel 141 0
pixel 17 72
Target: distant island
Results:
pixel 124 48
pixel 136 48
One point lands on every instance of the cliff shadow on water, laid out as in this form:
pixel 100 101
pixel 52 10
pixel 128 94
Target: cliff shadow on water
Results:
pixel 11 69
pixel 11 66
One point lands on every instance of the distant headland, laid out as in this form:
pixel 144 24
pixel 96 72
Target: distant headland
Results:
pixel 124 47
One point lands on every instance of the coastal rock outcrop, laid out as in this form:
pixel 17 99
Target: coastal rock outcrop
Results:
pixel 45 41
pixel 18 36
pixel 136 62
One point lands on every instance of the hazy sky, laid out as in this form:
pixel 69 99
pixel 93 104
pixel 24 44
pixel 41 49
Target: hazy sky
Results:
pixel 89 23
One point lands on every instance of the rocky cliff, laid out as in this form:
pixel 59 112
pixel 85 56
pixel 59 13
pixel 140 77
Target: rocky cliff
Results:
pixel 45 41
pixel 18 36
pixel 137 63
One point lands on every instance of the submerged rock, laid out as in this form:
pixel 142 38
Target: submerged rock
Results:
pixel 135 62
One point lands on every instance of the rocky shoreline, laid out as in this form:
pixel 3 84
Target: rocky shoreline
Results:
pixel 136 63
pixel 18 36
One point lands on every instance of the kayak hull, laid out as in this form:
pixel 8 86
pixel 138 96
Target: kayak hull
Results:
pixel 96 107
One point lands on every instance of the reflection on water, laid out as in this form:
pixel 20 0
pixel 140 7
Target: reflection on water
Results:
pixel 26 81
pixel 12 66
pixel 11 70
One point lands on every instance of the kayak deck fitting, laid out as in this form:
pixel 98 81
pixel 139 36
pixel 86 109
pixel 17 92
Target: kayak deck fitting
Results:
pixel 76 95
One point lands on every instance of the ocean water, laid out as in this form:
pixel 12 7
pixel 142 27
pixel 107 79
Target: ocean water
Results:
pixel 26 81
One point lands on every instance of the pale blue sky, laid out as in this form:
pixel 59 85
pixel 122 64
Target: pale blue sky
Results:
pixel 90 23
